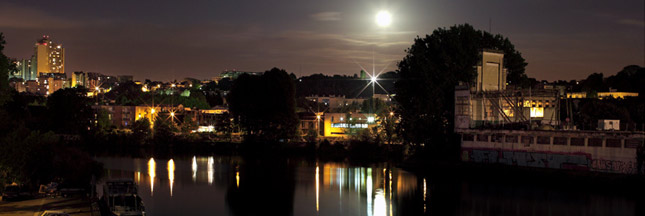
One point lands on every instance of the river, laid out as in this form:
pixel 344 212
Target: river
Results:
pixel 226 185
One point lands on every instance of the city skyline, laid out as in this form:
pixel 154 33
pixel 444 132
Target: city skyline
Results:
pixel 166 41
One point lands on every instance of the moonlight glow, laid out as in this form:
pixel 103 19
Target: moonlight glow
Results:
pixel 383 18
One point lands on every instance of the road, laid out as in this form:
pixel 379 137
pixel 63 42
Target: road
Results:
pixel 76 206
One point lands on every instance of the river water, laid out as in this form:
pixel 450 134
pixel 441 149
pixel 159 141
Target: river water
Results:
pixel 224 185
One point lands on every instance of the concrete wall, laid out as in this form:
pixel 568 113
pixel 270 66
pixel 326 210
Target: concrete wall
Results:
pixel 575 150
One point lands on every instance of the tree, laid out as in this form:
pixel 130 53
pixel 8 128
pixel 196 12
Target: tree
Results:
pixel 163 130
pixel 69 111
pixel 593 110
pixel 265 105
pixel 103 121
pixel 141 129
pixel 5 67
pixel 432 68
pixel 374 106
pixel 126 94
pixel 188 124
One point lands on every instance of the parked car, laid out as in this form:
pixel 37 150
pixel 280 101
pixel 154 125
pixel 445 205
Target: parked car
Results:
pixel 15 192
pixel 11 192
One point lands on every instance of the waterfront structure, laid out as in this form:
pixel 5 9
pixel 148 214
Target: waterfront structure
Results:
pixel 605 151
pixel 489 102
pixel 341 125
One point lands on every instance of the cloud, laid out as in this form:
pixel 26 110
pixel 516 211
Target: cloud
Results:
pixel 632 22
pixel 14 16
pixel 380 40
pixel 326 16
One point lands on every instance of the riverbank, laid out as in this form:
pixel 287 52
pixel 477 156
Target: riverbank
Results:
pixel 77 206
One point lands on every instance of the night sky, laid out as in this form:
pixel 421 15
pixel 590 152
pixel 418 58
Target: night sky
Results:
pixel 167 40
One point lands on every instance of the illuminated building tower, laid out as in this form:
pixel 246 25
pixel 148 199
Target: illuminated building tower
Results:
pixel 79 79
pixel 23 70
pixel 49 57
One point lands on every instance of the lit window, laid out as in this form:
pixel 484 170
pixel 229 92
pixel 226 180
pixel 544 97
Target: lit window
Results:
pixel 537 112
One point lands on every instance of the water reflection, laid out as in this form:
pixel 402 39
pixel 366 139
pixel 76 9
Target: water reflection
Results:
pixel 424 194
pixel 151 173
pixel 211 172
pixel 237 179
pixel 171 174
pixel 317 189
pixel 380 207
pixel 194 168
pixel 296 187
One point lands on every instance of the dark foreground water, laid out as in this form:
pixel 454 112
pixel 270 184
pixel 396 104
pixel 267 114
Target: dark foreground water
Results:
pixel 235 186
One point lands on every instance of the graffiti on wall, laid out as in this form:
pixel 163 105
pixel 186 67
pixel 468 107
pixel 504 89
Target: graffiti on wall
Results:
pixel 555 160
pixel 614 166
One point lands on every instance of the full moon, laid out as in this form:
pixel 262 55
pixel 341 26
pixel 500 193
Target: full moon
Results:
pixel 383 18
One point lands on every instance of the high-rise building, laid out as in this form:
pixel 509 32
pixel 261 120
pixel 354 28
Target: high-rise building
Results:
pixel 23 70
pixel 49 57
pixel 79 79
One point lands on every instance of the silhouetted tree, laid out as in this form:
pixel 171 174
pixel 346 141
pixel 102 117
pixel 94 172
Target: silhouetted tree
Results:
pixel 265 105
pixel 430 71
pixel 141 130
pixel 127 94
pixel 69 111
pixel 5 67
pixel 163 130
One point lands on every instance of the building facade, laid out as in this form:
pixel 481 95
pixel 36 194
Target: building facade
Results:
pixel 489 102
pixel 335 101
pixel 49 57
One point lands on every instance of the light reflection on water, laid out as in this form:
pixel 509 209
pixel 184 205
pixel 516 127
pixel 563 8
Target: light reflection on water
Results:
pixel 229 186
pixel 171 174
pixel 152 166
pixel 205 178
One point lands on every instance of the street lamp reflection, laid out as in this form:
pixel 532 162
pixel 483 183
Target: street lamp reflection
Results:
pixel 194 168
pixel 317 188
pixel 171 174
pixel 210 170
pixel 151 173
